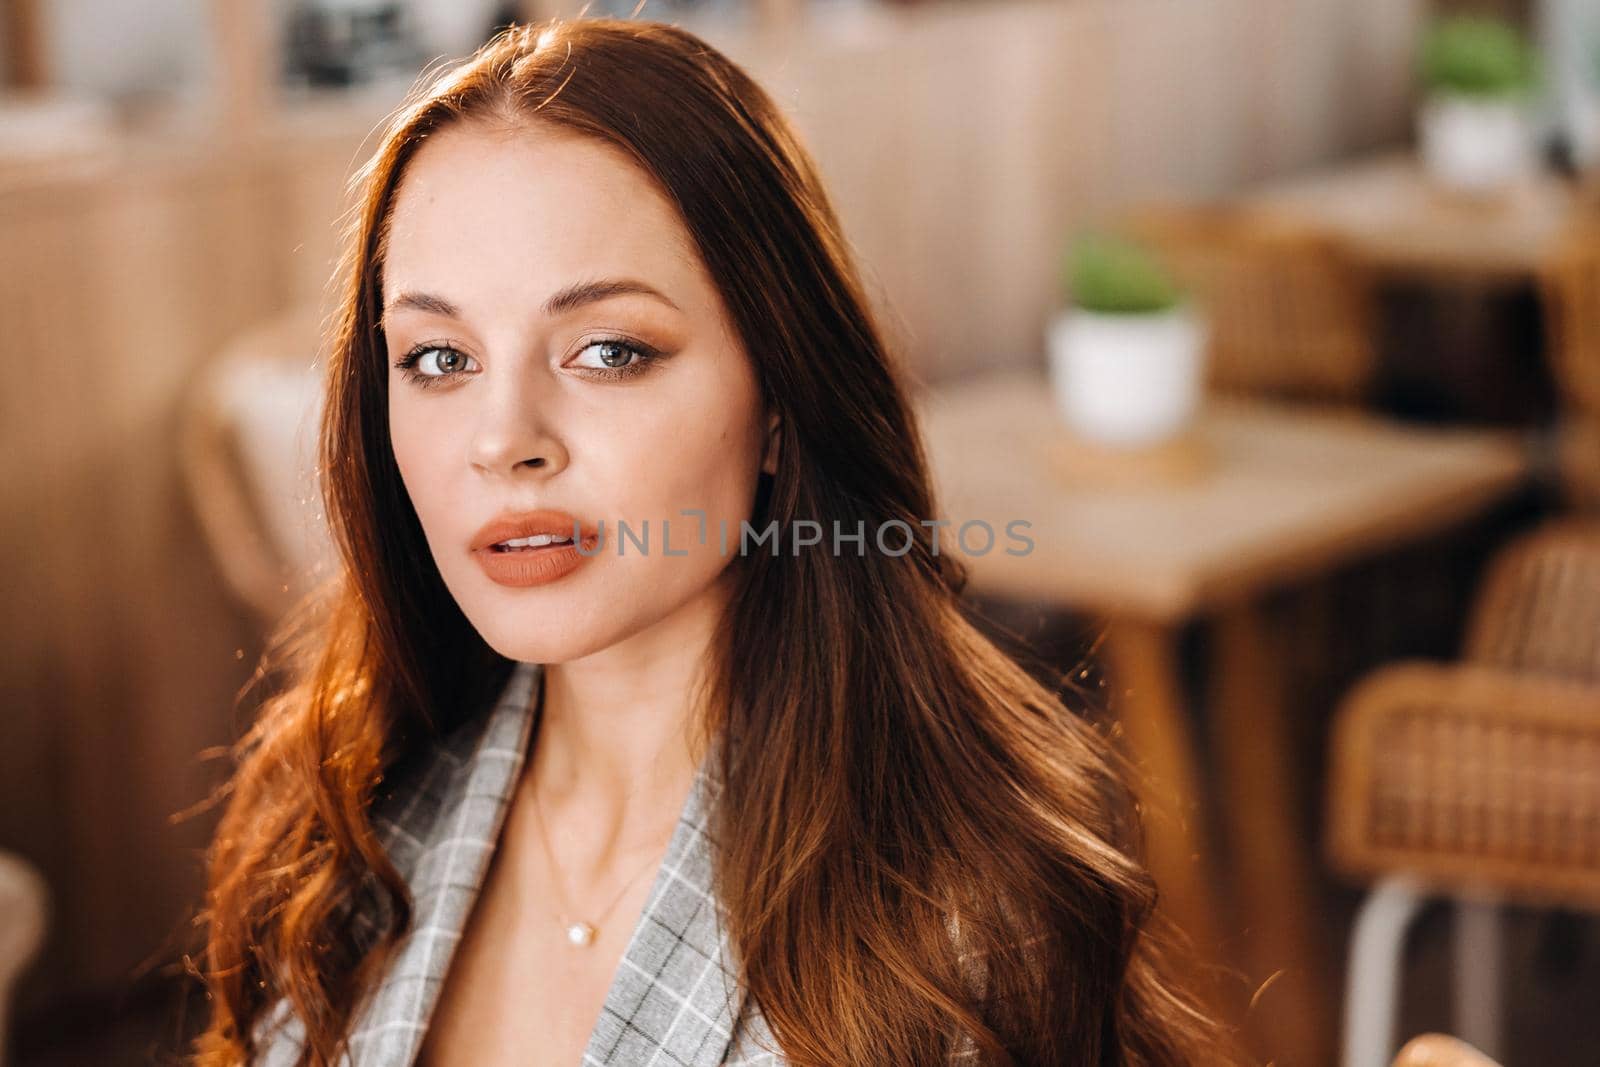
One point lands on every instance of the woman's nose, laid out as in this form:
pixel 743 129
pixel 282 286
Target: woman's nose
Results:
pixel 516 432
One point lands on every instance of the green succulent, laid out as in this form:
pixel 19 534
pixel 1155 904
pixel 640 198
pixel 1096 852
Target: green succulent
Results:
pixel 1476 55
pixel 1115 275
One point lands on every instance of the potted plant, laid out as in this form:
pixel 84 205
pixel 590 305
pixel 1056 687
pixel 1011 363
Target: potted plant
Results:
pixel 1127 353
pixel 1478 75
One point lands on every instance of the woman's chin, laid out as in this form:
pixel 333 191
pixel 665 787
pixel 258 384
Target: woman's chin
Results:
pixel 519 644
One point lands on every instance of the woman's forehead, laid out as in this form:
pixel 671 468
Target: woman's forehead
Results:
pixel 478 202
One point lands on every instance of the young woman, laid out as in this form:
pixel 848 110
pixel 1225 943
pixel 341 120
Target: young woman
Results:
pixel 602 357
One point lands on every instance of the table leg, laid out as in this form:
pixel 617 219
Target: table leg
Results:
pixel 1142 662
pixel 1284 952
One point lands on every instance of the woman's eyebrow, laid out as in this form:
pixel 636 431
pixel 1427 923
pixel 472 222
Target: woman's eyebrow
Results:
pixel 582 293
pixel 562 301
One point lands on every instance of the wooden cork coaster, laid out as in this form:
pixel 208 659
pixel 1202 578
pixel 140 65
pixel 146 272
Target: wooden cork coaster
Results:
pixel 1072 461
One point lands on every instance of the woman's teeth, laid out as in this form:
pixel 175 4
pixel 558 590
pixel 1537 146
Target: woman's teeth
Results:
pixel 536 541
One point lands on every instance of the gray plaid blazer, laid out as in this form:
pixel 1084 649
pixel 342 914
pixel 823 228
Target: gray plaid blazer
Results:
pixel 675 1000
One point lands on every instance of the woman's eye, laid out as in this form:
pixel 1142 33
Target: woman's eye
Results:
pixel 614 357
pixel 428 363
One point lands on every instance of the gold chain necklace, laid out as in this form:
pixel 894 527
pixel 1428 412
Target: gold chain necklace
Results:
pixel 580 933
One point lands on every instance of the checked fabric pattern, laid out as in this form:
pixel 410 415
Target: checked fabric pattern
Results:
pixel 675 1000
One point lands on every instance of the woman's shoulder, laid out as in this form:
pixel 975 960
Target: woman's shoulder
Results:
pixel 433 813
pixel 433 774
pixel 279 1036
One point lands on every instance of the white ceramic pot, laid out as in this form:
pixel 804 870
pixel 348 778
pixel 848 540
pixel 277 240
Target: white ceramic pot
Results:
pixel 1475 144
pixel 1127 380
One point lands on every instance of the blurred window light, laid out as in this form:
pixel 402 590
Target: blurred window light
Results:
pixel 124 48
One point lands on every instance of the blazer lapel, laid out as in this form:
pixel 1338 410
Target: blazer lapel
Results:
pixel 440 840
pixel 675 998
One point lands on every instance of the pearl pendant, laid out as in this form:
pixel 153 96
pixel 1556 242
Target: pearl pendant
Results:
pixel 580 933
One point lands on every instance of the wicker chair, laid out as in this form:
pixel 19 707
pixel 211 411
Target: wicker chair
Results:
pixel 1569 287
pixel 249 423
pixel 1289 312
pixel 1478 780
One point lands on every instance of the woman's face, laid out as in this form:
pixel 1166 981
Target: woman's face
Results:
pixel 575 355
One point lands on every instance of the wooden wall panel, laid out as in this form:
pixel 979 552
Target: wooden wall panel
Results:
pixel 997 128
pixel 119 646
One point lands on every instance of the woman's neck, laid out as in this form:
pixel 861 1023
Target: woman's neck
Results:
pixel 614 754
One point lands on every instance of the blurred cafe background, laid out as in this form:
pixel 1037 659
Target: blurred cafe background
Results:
pixel 1278 319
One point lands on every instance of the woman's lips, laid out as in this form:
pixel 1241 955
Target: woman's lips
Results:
pixel 522 567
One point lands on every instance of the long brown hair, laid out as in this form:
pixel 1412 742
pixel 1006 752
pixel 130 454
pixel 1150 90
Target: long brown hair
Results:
pixel 897 777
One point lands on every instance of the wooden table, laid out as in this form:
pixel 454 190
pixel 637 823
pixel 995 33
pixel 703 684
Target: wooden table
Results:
pixel 1287 494
pixel 1387 210
pixel 1458 301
